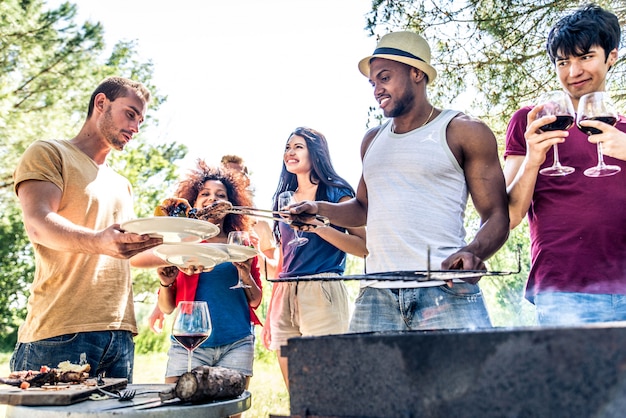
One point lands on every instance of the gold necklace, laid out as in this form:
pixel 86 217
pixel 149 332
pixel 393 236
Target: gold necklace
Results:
pixel 432 109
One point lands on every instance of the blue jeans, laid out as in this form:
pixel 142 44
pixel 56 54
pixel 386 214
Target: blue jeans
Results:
pixel 237 356
pixel 562 308
pixel 422 308
pixel 108 352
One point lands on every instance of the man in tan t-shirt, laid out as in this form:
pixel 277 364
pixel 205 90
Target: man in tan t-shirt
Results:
pixel 81 303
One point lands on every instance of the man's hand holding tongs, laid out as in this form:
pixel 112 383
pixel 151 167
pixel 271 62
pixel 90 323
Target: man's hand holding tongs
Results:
pixel 304 217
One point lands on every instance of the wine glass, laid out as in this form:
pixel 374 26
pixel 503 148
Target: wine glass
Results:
pixel 597 106
pixel 192 326
pixel 285 199
pixel 239 238
pixel 556 103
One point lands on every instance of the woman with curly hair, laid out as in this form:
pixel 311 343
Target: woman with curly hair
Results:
pixel 310 308
pixel 231 343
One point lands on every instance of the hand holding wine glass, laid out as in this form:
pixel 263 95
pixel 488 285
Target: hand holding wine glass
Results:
pixel 284 200
pixel 597 106
pixel 556 103
pixel 239 238
pixel 192 326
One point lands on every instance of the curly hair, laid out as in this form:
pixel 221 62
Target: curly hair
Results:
pixel 236 190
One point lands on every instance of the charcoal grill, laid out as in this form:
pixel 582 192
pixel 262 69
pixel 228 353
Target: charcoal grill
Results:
pixel 498 372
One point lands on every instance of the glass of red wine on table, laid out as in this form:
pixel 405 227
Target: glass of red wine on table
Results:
pixel 597 106
pixel 556 103
pixel 192 326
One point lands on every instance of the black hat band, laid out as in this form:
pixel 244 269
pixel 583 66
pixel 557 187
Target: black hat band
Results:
pixel 395 51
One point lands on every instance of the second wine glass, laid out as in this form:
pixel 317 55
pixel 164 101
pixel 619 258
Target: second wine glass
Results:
pixel 284 200
pixel 556 103
pixel 597 106
pixel 239 238
pixel 192 326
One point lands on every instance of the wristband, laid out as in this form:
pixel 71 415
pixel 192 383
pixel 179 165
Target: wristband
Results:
pixel 167 285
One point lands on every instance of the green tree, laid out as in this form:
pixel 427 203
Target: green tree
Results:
pixel 494 49
pixel 49 65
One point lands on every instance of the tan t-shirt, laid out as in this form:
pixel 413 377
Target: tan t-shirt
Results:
pixel 75 292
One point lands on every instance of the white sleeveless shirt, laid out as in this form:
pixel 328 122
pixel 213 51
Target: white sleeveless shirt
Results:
pixel 417 196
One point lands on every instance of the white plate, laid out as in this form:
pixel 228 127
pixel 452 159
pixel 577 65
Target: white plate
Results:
pixel 237 253
pixel 173 229
pixel 185 255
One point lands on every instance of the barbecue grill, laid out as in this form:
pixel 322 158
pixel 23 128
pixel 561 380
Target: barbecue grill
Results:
pixel 496 372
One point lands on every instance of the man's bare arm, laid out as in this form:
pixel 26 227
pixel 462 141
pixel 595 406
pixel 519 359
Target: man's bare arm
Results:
pixel 475 146
pixel 40 202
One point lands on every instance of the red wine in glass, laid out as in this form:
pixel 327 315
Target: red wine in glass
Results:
pixel 562 123
pixel 192 326
pixel 558 104
pixel 191 341
pixel 597 106
pixel 609 120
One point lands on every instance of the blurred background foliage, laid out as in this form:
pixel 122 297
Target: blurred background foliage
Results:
pixel 49 66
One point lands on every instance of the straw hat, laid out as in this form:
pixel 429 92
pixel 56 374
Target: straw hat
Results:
pixel 406 47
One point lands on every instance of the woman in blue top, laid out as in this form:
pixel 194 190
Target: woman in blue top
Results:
pixel 310 308
pixel 231 343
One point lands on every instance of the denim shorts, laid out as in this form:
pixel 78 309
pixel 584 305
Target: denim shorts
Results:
pixel 109 352
pixel 421 308
pixel 237 356
pixel 564 308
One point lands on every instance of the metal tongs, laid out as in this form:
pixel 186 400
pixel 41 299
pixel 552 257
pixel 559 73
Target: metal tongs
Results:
pixel 224 207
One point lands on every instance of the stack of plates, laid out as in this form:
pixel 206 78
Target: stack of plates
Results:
pixel 203 254
pixel 174 230
pixel 182 244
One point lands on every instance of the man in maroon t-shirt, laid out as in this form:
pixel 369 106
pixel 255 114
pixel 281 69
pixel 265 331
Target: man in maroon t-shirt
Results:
pixel 577 223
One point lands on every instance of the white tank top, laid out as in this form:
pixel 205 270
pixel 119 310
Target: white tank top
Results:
pixel 417 196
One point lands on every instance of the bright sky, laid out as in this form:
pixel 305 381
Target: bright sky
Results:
pixel 241 75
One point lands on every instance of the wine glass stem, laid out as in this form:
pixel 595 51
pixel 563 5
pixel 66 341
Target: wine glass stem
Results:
pixel 600 155
pixel 555 149
pixel 189 354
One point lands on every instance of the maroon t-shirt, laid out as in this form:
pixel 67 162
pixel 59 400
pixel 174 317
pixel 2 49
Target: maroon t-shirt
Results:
pixel 577 223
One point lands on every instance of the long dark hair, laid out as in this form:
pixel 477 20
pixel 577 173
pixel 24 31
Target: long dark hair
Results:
pixel 236 189
pixel 322 171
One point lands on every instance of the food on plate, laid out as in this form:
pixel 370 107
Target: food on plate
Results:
pixel 66 372
pixel 173 206
pixel 67 366
pixel 179 207
pixel 217 210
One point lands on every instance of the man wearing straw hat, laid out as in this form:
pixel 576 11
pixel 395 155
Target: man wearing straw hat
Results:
pixel 418 169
